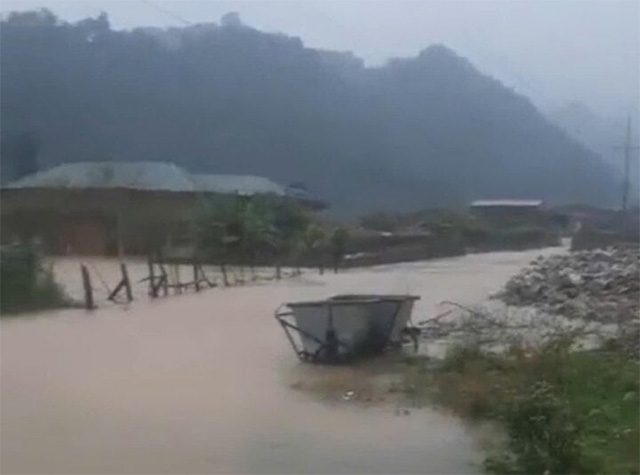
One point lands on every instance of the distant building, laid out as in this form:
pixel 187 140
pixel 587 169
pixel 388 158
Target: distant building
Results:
pixel 599 227
pixel 508 211
pixel 100 207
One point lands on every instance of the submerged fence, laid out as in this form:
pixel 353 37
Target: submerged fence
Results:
pixel 99 282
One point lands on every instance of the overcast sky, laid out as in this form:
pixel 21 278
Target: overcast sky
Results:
pixel 554 51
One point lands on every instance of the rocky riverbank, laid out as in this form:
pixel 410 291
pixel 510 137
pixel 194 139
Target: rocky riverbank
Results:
pixel 598 285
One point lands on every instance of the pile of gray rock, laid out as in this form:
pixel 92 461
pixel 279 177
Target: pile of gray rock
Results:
pixel 599 285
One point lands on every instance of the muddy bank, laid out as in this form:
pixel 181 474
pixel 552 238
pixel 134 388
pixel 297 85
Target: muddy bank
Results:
pixel 207 383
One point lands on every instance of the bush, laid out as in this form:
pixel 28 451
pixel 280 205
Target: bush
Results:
pixel 512 238
pixel 526 236
pixel 24 284
pixel 543 433
pixel 563 411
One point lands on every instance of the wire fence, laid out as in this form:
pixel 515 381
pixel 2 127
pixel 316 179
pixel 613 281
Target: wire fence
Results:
pixel 108 281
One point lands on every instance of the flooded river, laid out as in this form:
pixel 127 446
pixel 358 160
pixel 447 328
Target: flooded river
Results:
pixel 201 383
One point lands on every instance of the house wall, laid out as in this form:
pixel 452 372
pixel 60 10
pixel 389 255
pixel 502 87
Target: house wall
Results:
pixel 509 215
pixel 85 222
pixel 82 235
pixel 94 221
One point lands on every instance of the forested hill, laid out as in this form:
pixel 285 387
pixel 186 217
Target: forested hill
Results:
pixel 225 98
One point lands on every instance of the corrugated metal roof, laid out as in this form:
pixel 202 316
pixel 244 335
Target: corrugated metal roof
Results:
pixel 133 175
pixel 236 184
pixel 158 176
pixel 483 203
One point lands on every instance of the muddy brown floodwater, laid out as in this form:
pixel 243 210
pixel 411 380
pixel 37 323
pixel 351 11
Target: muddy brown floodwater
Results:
pixel 201 383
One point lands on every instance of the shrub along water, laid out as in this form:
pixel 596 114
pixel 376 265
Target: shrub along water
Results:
pixel 24 284
pixel 563 411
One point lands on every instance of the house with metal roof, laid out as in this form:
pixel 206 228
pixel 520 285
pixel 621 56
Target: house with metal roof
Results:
pixel 506 204
pixel 507 212
pixel 152 176
pixel 92 207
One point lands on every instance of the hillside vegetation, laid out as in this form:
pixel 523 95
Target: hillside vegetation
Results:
pixel 225 98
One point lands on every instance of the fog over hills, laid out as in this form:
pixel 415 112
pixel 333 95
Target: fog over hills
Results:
pixel 430 130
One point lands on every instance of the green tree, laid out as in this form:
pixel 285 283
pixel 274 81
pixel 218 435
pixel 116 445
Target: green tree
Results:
pixel 244 230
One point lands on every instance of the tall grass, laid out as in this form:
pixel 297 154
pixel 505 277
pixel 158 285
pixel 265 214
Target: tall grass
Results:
pixel 563 412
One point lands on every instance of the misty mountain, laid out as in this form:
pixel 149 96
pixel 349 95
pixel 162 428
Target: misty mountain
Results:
pixel 603 135
pixel 590 129
pixel 225 98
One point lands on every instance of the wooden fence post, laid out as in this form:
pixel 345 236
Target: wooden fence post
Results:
pixel 127 283
pixel 225 279
pixel 124 282
pixel 204 277
pixel 175 268
pixel 196 276
pixel 153 291
pixel 165 280
pixel 88 289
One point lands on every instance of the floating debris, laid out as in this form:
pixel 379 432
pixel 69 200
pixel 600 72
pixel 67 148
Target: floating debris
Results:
pixel 349 395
